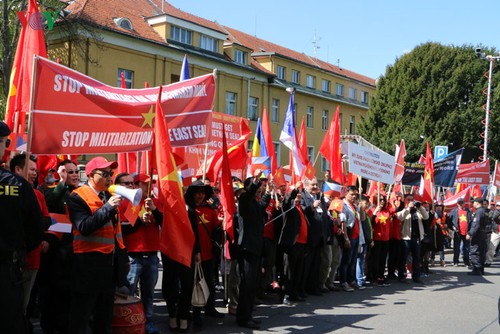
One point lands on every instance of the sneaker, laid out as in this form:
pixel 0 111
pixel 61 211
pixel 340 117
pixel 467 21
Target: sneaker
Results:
pixel 151 328
pixel 455 264
pixel 347 287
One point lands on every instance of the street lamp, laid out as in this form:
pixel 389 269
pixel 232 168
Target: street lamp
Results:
pixel 491 59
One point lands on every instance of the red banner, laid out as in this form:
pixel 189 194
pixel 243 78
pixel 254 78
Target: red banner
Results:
pixel 75 114
pixel 496 176
pixel 195 154
pixel 474 173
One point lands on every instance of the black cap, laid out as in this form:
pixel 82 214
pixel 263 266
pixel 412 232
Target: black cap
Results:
pixel 4 129
pixel 460 200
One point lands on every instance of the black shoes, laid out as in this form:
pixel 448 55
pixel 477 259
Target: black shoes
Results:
pixel 214 313
pixel 251 324
pixel 474 273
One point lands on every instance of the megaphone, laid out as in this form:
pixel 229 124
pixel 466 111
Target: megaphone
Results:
pixel 133 195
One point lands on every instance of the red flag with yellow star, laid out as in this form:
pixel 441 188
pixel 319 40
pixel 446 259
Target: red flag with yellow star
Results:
pixel 177 237
pixel 132 212
pixel 427 182
pixel 226 190
pixel 309 171
pixel 330 148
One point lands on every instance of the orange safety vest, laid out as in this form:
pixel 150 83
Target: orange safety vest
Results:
pixel 102 240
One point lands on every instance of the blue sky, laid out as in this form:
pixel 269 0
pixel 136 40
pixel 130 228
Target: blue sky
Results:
pixel 364 35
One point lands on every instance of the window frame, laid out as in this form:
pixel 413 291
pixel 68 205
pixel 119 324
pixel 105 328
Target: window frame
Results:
pixel 129 78
pixel 326 83
pixel 310 117
pixel 275 111
pixel 231 104
pixel 296 76
pixel 339 89
pixel 253 108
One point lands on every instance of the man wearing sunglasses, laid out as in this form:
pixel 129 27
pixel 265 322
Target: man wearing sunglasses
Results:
pixel 22 231
pixel 57 196
pixel 96 238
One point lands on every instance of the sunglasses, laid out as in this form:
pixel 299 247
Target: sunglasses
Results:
pixel 127 183
pixel 104 173
pixel 72 172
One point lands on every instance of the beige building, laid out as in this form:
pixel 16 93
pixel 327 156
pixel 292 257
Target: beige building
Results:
pixel 147 42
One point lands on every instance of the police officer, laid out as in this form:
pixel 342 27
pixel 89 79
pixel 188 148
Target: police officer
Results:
pixel 21 229
pixel 477 236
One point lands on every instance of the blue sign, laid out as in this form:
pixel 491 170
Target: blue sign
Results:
pixel 440 152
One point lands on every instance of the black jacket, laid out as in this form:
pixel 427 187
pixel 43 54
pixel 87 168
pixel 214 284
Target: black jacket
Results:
pixel 318 222
pixel 288 228
pixel 21 222
pixel 252 218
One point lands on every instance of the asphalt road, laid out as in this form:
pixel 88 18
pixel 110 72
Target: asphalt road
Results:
pixel 450 301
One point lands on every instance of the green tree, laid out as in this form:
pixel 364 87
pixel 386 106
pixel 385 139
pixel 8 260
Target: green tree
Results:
pixel 435 91
pixel 70 28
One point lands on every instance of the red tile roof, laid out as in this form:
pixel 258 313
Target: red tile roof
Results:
pixel 260 45
pixel 102 13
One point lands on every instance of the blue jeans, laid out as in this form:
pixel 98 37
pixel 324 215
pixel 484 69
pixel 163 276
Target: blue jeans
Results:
pixel 144 267
pixel 360 265
pixel 412 247
pixel 347 269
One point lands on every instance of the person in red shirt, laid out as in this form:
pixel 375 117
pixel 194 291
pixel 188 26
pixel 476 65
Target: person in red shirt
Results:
pixel 381 223
pixel 459 220
pixel 142 240
pixel 196 197
pixel 394 252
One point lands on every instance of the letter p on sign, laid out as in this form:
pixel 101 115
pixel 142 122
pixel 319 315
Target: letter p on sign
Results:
pixel 440 152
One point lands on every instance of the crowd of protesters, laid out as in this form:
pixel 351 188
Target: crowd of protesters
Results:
pixel 289 240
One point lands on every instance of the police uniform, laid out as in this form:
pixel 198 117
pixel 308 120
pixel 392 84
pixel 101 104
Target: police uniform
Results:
pixel 21 229
pixel 477 232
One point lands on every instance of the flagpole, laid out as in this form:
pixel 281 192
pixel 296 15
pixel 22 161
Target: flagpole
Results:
pixel 30 118
pixel 316 159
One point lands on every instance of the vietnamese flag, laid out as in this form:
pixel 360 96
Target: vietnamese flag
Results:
pixel 279 177
pixel 177 237
pixel 309 172
pixel 226 190
pixel 427 181
pixel 330 148
pixel 31 42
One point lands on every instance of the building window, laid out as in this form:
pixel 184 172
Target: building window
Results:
pixel 340 122
pixel 128 75
pixel 310 153
pixel 277 148
pixel 309 117
pixel 324 120
pixel 181 35
pixel 240 57
pixel 324 164
pixel 231 103
pixel 295 76
pixel 352 93
pixel 310 81
pixel 124 23
pixel 275 111
pixel 340 90
pixel 281 72
pixel 208 43
pixel 325 86
pixel 352 125
pixel 364 97
pixel 253 107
